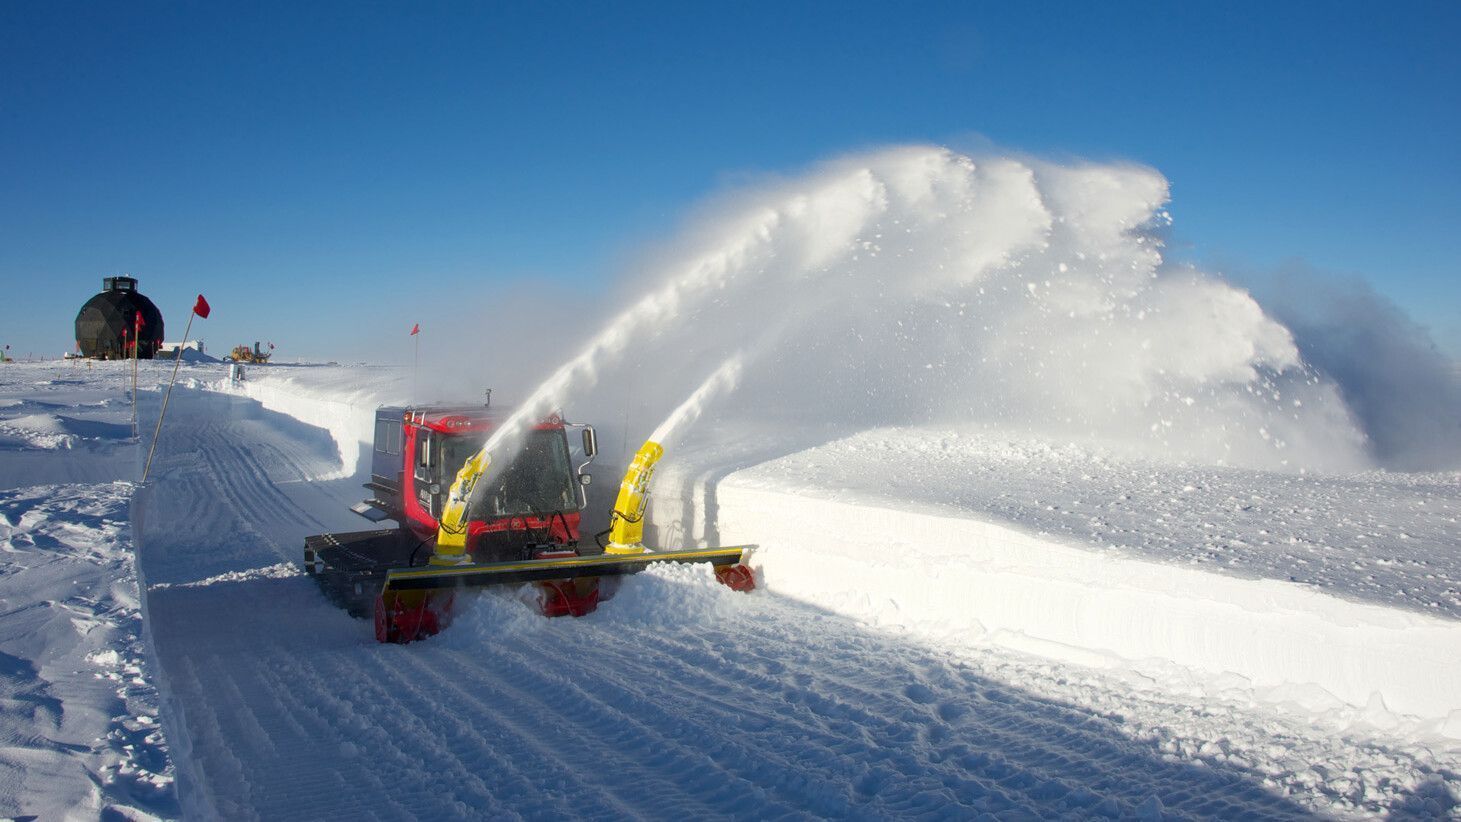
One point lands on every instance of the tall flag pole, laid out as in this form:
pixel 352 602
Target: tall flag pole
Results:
pixel 200 309
pixel 416 362
pixel 127 352
pixel 136 336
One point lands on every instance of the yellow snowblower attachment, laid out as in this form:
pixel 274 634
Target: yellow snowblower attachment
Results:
pixel 626 523
pixel 416 602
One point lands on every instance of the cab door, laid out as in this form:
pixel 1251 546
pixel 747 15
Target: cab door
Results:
pixel 426 458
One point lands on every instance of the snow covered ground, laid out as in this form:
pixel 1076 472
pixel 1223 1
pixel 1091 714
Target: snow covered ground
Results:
pixel 79 730
pixel 1346 587
pixel 953 622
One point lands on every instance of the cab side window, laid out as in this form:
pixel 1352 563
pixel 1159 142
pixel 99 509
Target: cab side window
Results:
pixel 424 456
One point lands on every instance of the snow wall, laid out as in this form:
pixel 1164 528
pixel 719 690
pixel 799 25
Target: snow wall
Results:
pixel 963 581
pixel 344 406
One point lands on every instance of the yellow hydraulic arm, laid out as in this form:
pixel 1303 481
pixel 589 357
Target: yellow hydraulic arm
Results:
pixel 626 523
pixel 408 608
pixel 451 535
pixel 452 567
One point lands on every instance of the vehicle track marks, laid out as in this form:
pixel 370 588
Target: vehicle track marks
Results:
pixel 760 707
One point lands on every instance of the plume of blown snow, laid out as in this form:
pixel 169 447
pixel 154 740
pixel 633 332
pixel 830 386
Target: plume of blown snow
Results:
pixel 920 285
pixel 722 380
pixel 915 285
pixel 1404 391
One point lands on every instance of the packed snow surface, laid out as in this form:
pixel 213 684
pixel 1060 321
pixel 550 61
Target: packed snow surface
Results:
pixel 1375 536
pixel 786 702
pixel 860 571
pixel 79 729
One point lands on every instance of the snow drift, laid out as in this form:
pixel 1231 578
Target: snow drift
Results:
pixel 51 431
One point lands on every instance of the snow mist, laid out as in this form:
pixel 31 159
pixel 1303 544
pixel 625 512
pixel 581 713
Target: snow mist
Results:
pixel 917 285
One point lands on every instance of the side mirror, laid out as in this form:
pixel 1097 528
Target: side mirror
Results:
pixel 585 479
pixel 590 442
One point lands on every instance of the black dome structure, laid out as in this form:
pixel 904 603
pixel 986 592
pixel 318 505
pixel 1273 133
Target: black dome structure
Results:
pixel 105 325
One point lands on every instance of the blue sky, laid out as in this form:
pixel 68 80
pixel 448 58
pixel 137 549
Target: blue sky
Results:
pixel 324 172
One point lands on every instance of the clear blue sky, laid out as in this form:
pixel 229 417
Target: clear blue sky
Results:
pixel 306 165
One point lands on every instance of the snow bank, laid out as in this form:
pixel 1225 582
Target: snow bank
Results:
pixel 341 401
pixel 78 711
pixel 969 582
pixel 78 706
pixel 51 431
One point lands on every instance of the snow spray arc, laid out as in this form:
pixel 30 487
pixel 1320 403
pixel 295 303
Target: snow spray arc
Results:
pixel 916 285
pixel 721 381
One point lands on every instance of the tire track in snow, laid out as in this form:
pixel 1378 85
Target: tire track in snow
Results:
pixel 199 529
pixel 700 735
pixel 245 483
pixel 314 770
pixel 595 728
pixel 1037 751
pixel 242 459
pixel 530 766
pixel 828 729
pixel 769 709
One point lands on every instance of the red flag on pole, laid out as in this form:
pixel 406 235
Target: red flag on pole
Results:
pixel 139 322
pixel 415 329
pixel 201 308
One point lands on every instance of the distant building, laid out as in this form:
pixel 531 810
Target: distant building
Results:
pixel 107 327
pixel 171 348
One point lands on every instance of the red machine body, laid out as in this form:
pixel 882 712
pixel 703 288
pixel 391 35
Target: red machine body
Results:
pixel 523 523
pixel 417 452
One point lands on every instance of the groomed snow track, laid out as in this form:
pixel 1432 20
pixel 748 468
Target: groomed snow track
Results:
pixel 677 699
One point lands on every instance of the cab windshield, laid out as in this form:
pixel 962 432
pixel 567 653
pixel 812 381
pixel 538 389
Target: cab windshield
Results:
pixel 539 480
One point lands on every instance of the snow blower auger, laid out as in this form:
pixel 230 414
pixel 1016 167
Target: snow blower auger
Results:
pixel 416 602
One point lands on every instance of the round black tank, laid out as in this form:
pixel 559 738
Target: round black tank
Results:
pixel 104 326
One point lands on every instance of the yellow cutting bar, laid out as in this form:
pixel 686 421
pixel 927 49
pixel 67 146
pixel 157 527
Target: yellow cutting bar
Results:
pixel 537 570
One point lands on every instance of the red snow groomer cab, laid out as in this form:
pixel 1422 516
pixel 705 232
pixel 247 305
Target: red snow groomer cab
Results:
pixel 529 510
pixel 416 456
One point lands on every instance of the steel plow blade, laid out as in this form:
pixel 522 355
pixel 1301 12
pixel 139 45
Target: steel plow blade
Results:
pixel 540 570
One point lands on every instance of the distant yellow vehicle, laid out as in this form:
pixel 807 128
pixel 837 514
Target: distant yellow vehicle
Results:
pixel 242 353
